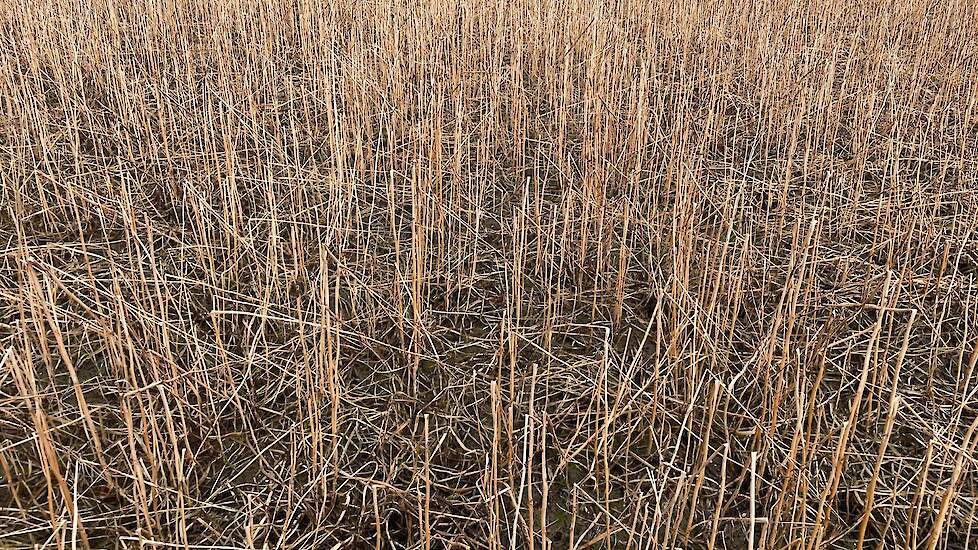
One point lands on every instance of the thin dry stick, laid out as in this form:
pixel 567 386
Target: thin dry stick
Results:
pixel 871 488
pixel 373 493
pixel 426 518
pixel 720 491
pixel 967 447
pixel 753 498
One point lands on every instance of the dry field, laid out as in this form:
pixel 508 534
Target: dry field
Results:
pixel 536 274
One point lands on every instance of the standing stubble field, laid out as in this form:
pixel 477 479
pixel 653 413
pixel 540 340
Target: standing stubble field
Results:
pixel 528 274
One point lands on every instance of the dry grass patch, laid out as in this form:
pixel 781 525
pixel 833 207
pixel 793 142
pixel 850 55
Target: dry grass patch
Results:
pixel 546 275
